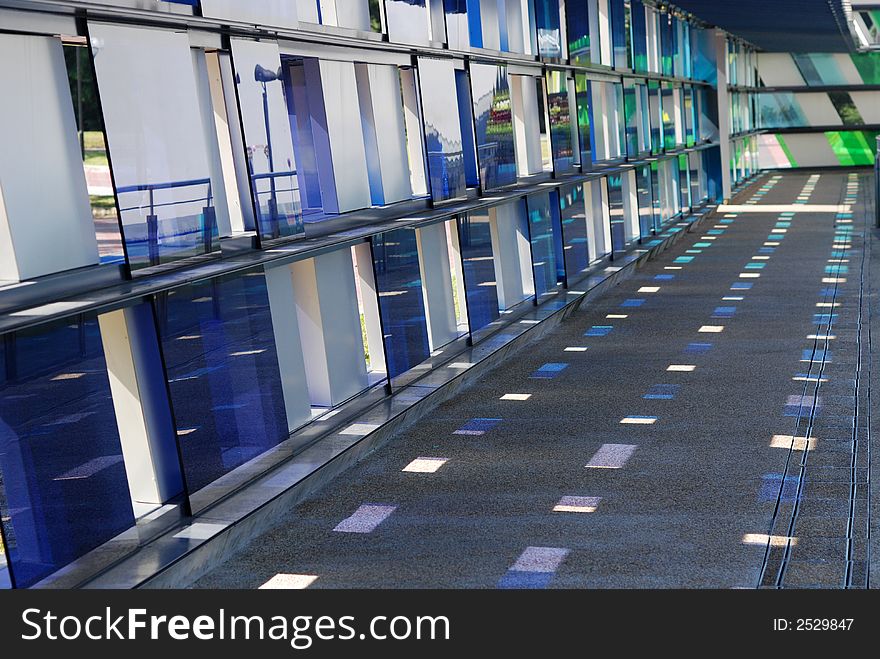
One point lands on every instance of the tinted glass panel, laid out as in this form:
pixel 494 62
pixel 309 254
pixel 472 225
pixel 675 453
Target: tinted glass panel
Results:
pixel 493 123
pixel 583 98
pixel 481 291
pixel 577 18
pixel 446 165
pixel 549 33
pixel 269 146
pixel 158 148
pixel 639 46
pixel 223 374
pixel 544 235
pixel 399 283
pixel 645 201
pixel 615 210
pixel 560 121
pixel 63 489
pixel 574 230
pixel 620 23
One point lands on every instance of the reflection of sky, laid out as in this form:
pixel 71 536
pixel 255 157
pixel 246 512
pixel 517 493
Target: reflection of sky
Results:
pixel 439 96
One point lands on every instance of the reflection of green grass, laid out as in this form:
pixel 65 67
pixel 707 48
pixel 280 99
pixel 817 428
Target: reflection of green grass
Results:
pixel 102 201
pixel 364 338
pixel 95 158
pixel 94 140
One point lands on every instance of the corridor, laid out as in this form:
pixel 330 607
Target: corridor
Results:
pixel 706 423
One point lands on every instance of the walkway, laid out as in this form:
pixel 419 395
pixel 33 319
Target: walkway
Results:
pixel 705 424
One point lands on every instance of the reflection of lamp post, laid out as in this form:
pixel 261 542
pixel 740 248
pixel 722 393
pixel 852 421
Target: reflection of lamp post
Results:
pixel 263 76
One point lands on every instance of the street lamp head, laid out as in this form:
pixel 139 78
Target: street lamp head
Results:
pixel 266 75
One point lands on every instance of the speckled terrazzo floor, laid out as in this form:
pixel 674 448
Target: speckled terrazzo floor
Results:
pixel 663 452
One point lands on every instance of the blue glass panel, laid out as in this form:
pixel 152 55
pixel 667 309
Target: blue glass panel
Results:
pixel 583 99
pixel 631 116
pixel 666 45
pixel 645 200
pixel 545 238
pixel 560 122
pixel 63 489
pixel 696 189
pixel 668 113
pixel 684 174
pixel 620 33
pixel 401 305
pixel 222 370
pixel 615 210
pixel 573 215
pixel 493 121
pixel 457 26
pixel 707 99
pixel 481 291
pixel 443 139
pixel 577 17
pixel 780 110
pixel 690 119
pixel 548 24
pixel 655 196
pixel 703 54
pixel 639 45
pixel 271 164
pixel 466 126
pixel 655 112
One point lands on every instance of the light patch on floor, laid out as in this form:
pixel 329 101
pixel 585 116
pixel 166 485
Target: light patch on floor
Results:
pixel 289 582
pixel 711 329
pixel 683 368
pixel 515 397
pixel 540 559
pixel 365 519
pixel 639 420
pixel 648 289
pixel 425 465
pixel 611 456
pixel 794 443
pixel 772 540
pixel 359 429
pixel 572 504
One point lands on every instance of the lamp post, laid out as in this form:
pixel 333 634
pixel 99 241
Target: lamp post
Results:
pixel 264 76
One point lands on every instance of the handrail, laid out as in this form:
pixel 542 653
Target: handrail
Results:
pixel 144 187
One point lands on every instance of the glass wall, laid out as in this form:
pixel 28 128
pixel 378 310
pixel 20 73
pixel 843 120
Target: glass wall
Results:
pixel 222 366
pixel 63 484
pixel 401 303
